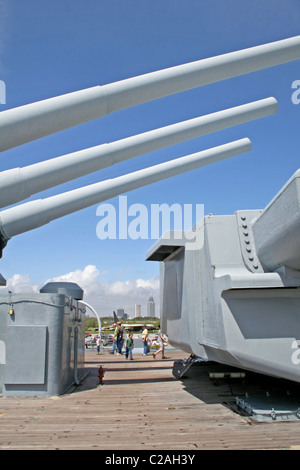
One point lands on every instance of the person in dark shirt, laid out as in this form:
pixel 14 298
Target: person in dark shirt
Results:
pixel 120 333
pixel 129 346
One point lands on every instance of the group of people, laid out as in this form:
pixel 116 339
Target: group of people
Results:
pixel 119 340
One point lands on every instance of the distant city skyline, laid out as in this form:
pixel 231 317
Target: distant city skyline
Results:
pixel 137 310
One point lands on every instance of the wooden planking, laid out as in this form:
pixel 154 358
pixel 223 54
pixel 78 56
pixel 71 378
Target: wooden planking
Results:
pixel 139 406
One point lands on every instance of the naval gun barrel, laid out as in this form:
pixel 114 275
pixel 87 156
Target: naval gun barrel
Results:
pixel 19 183
pixel 33 214
pixel 36 120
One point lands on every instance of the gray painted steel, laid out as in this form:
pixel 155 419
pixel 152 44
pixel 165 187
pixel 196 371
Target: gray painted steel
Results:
pixel 230 289
pixel 35 120
pixel 277 229
pixel 41 342
pixel 17 184
pixel 33 214
pixel 66 288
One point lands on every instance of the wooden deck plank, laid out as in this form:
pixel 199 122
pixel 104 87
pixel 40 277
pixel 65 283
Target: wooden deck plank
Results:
pixel 140 406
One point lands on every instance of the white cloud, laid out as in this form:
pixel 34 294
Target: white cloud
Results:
pixel 106 296
pixel 19 283
pixel 127 293
pixel 87 278
pixel 103 295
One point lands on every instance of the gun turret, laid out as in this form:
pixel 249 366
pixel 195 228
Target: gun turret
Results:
pixel 36 120
pixel 33 214
pixel 19 183
pixel 276 230
pixel 231 286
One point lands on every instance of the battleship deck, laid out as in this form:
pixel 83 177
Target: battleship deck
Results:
pixel 140 406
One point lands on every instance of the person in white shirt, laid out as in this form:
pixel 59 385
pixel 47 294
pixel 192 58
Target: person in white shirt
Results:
pixel 145 340
pixel 163 340
pixel 98 344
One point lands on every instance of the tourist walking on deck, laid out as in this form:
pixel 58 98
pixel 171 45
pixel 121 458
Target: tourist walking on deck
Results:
pixel 120 333
pixel 129 346
pixel 114 345
pixel 98 342
pixel 163 340
pixel 145 340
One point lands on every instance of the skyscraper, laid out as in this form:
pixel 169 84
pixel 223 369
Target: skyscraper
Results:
pixel 137 310
pixel 120 312
pixel 151 307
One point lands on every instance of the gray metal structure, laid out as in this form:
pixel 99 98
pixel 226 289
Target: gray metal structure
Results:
pixel 42 341
pixel 230 288
pixel 41 331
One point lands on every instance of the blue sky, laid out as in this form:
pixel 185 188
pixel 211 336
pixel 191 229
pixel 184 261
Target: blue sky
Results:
pixel 51 48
